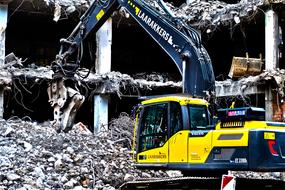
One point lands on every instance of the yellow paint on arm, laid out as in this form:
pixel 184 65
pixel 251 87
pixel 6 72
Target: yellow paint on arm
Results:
pixel 100 14
pixel 137 10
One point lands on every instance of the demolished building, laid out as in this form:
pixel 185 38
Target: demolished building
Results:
pixel 228 29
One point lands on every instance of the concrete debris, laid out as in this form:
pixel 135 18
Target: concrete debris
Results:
pixel 65 160
pixel 275 1
pixel 257 175
pixel 8 131
pixel 202 14
pixel 80 128
pixel 121 129
pixel 239 87
pixel 57 12
pixel 154 76
pixel 72 160
pixel 69 6
pixel 210 14
pixel 12 177
pixel 112 82
pixel 117 83
pixel 12 60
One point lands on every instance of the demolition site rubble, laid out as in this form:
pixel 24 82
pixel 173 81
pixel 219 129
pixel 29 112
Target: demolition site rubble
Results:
pixel 204 15
pixel 124 84
pixel 112 82
pixel 35 156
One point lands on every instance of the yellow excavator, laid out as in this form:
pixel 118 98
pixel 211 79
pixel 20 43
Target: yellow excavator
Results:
pixel 175 131
pixel 178 132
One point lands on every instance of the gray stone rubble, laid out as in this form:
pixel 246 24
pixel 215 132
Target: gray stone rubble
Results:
pixel 238 87
pixel 35 156
pixel 112 82
pixel 199 13
pixel 210 14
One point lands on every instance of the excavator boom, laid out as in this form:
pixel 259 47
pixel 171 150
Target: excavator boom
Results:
pixel 180 41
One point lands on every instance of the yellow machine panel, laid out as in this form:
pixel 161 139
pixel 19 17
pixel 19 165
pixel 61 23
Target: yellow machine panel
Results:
pixel 178 146
pixel 199 146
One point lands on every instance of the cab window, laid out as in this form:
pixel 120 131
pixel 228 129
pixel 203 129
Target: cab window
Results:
pixel 199 117
pixel 153 127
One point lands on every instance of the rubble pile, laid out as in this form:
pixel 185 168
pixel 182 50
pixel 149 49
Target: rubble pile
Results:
pixel 258 175
pixel 117 82
pixel 199 13
pixel 121 129
pixel 274 77
pixel 154 76
pixel 112 82
pixel 35 156
pixel 210 14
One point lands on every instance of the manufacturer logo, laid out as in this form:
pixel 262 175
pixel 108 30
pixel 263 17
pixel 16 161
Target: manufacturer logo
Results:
pixel 198 133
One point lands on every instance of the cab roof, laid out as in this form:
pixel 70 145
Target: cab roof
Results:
pixel 180 98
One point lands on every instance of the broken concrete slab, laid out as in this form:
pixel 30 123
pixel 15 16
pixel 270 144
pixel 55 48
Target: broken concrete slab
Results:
pixel 252 84
pixel 210 14
pixel 112 82
pixel 201 14
pixel 117 83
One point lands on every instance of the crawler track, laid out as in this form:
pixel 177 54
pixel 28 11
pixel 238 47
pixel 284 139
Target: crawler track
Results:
pixel 199 183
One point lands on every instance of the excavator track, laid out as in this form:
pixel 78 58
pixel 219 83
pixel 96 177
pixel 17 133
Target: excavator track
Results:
pixel 199 183
pixel 171 183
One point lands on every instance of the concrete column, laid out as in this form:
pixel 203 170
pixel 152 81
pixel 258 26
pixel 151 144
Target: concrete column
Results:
pixel 100 112
pixel 271 55
pixel 268 104
pixel 3 25
pixel 102 65
pixel 271 40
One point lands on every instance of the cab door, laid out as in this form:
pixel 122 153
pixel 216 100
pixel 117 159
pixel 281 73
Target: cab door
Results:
pixel 178 138
pixel 153 134
pixel 200 136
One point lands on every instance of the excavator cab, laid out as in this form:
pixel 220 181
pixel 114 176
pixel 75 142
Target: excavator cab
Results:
pixel 164 127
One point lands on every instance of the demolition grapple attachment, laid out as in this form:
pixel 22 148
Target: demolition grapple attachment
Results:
pixel 64 96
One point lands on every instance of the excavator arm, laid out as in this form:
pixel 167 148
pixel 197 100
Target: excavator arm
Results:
pixel 180 41
pixel 63 93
